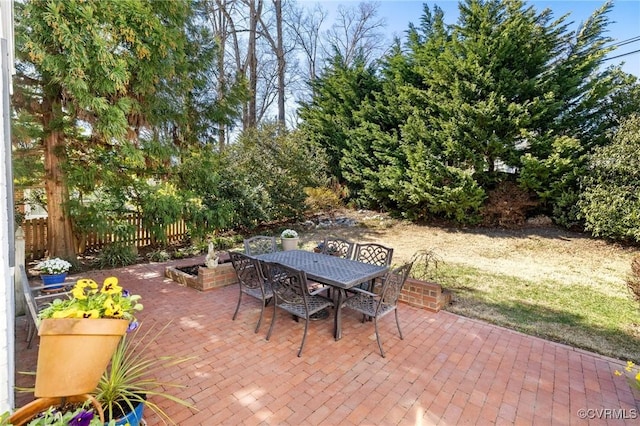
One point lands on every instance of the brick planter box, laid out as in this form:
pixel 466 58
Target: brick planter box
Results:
pixel 207 279
pixel 425 294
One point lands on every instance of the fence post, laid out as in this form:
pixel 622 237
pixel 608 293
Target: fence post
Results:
pixel 20 260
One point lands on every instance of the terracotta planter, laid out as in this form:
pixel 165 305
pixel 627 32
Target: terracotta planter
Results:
pixel 74 353
pixel 27 413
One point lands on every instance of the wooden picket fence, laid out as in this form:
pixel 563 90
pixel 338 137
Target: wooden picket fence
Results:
pixel 35 234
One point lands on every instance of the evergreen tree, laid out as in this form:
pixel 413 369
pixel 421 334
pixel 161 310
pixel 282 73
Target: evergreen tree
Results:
pixel 585 105
pixel 329 116
pixel 504 89
pixel 484 85
pixel 116 98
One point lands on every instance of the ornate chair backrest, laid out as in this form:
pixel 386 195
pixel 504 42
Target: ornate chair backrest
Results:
pixel 393 283
pixel 337 247
pixel 32 305
pixel 289 285
pixel 247 269
pixel 260 244
pixel 375 254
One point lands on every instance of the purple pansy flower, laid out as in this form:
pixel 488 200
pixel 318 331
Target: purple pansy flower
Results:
pixel 132 326
pixel 83 418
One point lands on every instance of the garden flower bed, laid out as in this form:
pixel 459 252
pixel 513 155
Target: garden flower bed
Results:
pixel 198 276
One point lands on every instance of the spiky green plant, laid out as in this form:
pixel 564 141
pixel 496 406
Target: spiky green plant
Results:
pixel 129 379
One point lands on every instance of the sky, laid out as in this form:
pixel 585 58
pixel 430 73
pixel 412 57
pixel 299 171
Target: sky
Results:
pixel 625 17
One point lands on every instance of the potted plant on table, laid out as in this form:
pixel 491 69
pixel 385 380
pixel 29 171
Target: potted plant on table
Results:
pixel 289 238
pixel 53 272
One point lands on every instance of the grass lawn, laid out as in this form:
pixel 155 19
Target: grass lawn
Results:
pixel 544 281
pixel 597 316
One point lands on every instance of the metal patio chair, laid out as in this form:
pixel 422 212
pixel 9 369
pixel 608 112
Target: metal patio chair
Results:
pixel 260 244
pixel 374 254
pixel 291 293
pixel 337 247
pixel 377 306
pixel 35 301
pixel 251 282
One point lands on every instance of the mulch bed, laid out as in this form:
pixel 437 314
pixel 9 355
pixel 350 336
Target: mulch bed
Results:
pixel 192 269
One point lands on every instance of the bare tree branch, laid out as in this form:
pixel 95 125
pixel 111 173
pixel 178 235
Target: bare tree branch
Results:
pixel 356 31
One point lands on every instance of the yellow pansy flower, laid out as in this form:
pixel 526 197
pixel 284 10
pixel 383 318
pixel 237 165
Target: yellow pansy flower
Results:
pixel 79 289
pixel 110 286
pixel 92 313
pixel 88 300
pixel 67 313
pixel 78 293
pixel 632 368
pixel 111 309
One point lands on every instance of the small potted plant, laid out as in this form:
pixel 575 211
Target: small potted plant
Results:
pixel 53 272
pixel 289 239
pixel 128 382
pixel 79 334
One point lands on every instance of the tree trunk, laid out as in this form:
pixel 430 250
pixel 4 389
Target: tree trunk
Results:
pixel 281 61
pixel 222 79
pixel 60 241
pixel 254 11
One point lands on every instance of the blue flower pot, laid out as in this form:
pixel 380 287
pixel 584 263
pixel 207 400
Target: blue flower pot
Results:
pixel 133 418
pixel 53 281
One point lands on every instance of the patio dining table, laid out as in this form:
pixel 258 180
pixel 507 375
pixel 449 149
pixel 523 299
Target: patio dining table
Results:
pixel 341 274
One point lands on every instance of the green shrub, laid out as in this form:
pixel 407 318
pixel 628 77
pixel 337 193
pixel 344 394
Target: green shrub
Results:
pixel 101 214
pixel 193 250
pixel 321 199
pixel 633 282
pixel 178 254
pixel 610 201
pixel 554 179
pixel 272 167
pixel 431 189
pixel 158 256
pixel 161 206
pixel 116 255
pixel 210 195
pixel 225 242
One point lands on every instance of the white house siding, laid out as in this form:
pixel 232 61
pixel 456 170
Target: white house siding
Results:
pixel 7 336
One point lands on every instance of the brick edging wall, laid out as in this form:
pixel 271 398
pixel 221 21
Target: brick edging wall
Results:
pixel 207 279
pixel 424 294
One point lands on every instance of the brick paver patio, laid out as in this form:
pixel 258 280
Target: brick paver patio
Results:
pixel 448 370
